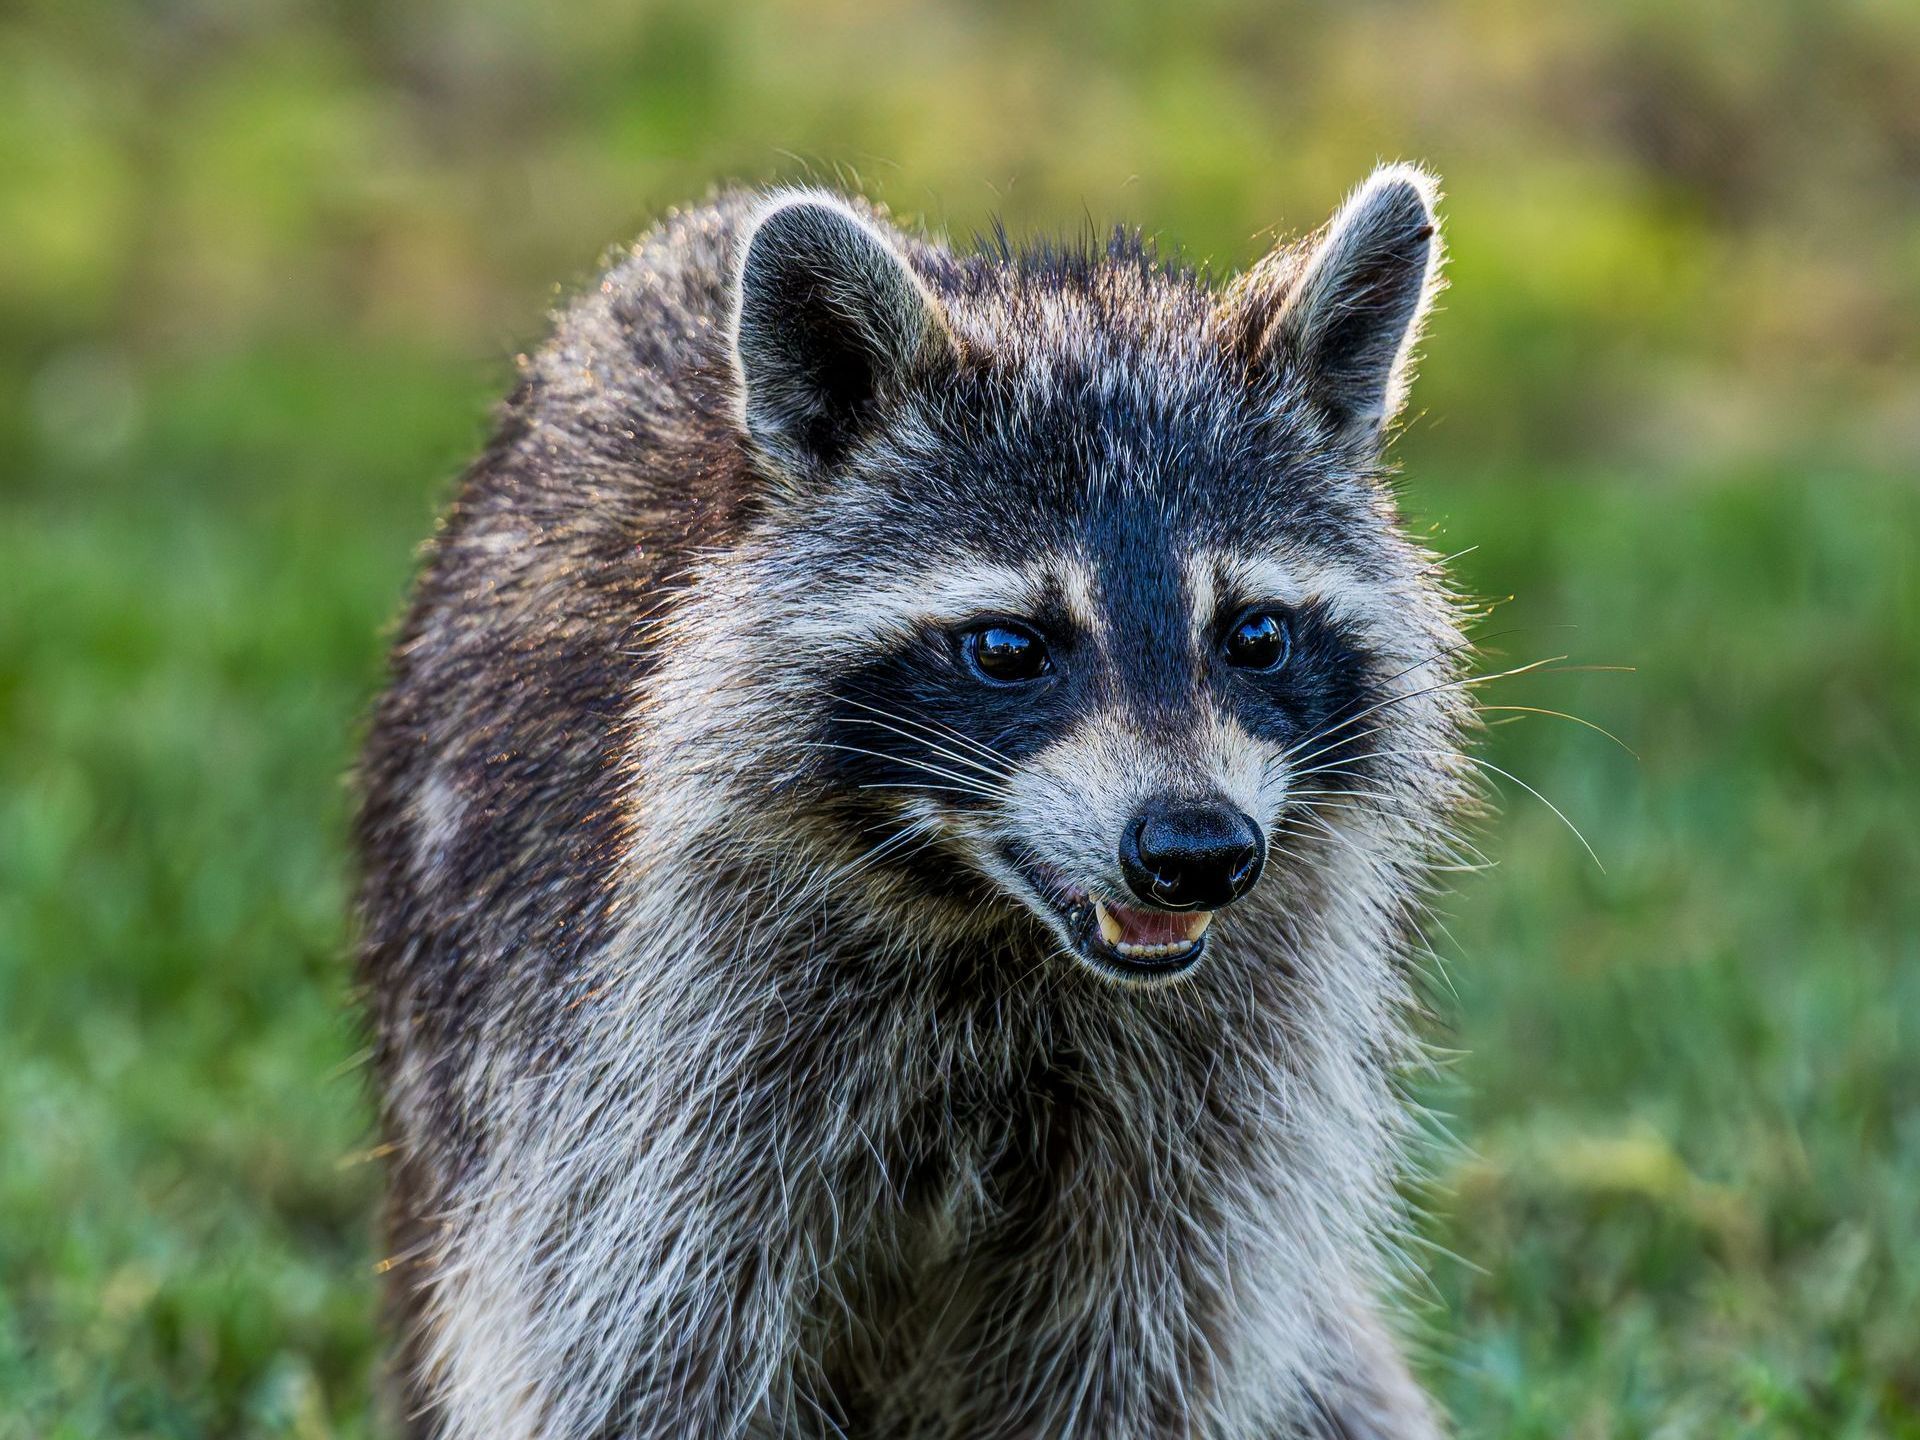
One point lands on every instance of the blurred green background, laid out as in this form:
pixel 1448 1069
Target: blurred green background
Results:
pixel 264 265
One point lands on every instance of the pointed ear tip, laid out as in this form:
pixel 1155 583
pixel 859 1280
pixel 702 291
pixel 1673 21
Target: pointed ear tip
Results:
pixel 802 210
pixel 1401 186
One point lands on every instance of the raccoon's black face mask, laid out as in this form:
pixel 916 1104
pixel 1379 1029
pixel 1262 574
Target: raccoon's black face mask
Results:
pixel 1089 603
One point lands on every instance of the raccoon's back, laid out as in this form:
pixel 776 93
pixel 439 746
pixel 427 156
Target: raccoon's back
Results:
pixel 491 782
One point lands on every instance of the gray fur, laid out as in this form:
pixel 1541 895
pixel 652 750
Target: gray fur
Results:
pixel 710 1113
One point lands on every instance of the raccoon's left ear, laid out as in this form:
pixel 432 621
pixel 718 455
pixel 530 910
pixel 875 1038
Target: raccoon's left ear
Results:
pixel 830 327
pixel 1339 315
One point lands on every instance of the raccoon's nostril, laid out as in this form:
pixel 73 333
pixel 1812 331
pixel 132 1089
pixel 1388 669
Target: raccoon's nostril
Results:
pixel 1191 856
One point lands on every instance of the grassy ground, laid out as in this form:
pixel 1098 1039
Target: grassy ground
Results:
pixel 261 268
pixel 1687 1197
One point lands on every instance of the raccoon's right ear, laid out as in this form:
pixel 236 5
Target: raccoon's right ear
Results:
pixel 1337 318
pixel 830 327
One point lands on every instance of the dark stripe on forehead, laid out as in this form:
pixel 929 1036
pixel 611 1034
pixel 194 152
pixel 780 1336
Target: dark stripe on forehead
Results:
pixel 1144 604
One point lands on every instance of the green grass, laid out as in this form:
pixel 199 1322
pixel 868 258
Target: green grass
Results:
pixel 1687 1195
pixel 1690 1086
pixel 184 1234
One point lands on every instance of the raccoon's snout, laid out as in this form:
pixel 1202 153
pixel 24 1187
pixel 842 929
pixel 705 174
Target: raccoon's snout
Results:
pixel 1191 856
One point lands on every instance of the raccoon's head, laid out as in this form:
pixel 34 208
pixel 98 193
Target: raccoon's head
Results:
pixel 1077 586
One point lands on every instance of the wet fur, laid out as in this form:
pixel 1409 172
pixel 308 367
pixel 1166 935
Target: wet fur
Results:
pixel 704 1121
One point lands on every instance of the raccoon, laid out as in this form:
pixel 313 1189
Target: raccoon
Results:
pixel 891 848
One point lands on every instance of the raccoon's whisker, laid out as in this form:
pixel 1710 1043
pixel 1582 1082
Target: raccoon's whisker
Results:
pixel 1335 769
pixel 953 755
pixel 1281 761
pixel 1387 804
pixel 1286 852
pixel 1293 795
pixel 1469 643
pixel 934 738
pixel 1458 682
pixel 910 785
pixel 999 792
pixel 911 763
pixel 1444 838
pixel 1508 774
pixel 1286 758
pixel 1421 823
pixel 1465 682
pixel 931 726
pixel 1440 564
pixel 935 727
pixel 946 734
pixel 1321 825
pixel 878 852
pixel 1563 715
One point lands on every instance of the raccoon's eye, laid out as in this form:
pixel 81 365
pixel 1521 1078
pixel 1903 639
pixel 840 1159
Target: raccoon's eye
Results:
pixel 1258 640
pixel 1005 654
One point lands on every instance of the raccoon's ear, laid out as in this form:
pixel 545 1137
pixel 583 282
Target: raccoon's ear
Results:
pixel 830 326
pixel 1341 314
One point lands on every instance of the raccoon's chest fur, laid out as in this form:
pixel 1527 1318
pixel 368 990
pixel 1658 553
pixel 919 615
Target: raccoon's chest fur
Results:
pixel 1001 1202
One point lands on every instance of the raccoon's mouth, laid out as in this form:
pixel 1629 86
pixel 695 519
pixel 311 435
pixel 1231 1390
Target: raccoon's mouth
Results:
pixel 1123 942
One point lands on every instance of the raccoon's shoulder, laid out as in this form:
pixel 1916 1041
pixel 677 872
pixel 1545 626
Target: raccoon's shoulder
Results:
pixel 648 343
pixel 637 362
pixel 631 396
pixel 491 768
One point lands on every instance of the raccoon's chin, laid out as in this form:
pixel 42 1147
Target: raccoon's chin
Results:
pixel 1126 943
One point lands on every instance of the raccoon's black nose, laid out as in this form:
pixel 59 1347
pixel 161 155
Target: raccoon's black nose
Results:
pixel 1191 856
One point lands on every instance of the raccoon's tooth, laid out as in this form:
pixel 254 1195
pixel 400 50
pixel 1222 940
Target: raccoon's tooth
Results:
pixel 1154 952
pixel 1110 930
pixel 1197 924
